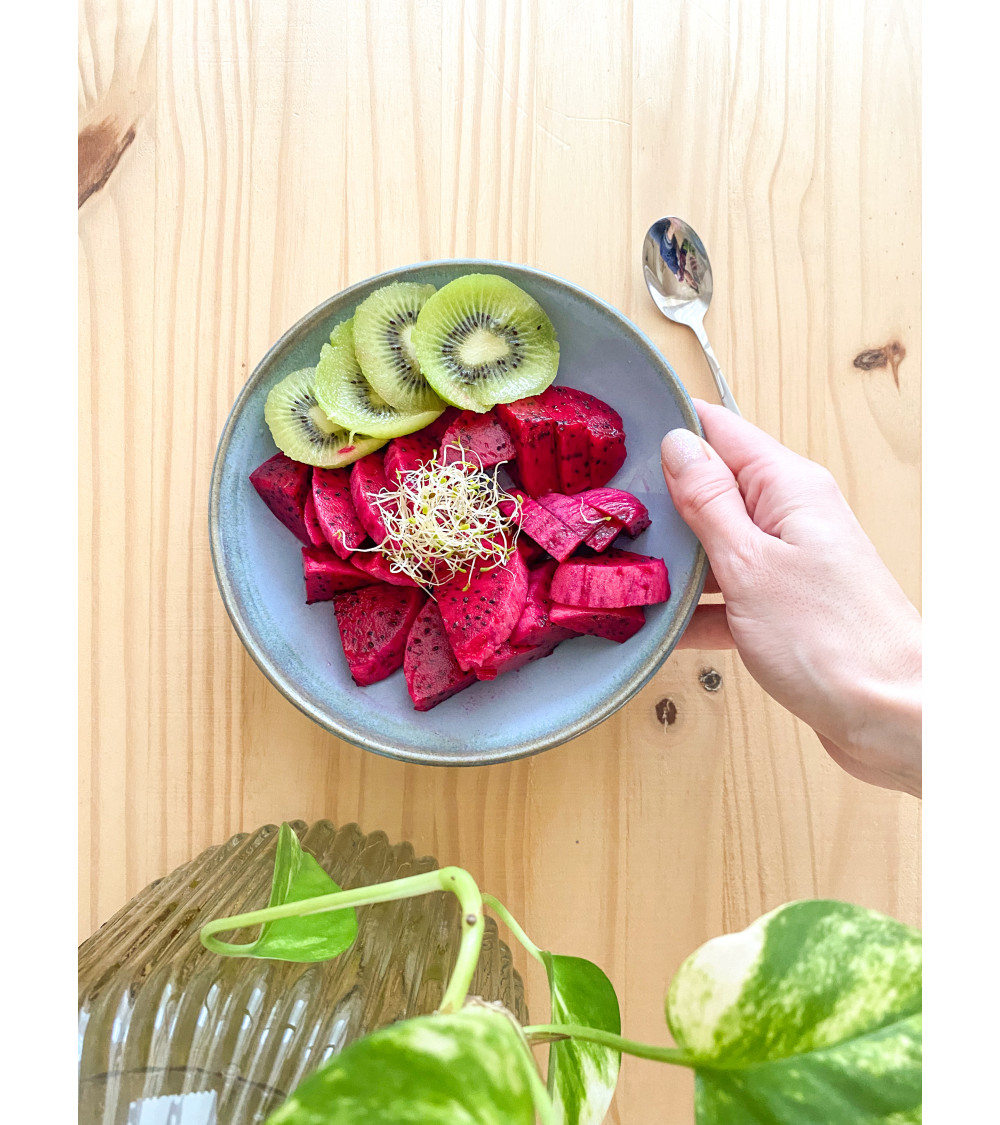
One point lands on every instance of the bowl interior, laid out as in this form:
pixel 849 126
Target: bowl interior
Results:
pixel 258 562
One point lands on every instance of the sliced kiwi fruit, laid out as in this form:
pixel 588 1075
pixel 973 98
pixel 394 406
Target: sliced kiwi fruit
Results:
pixel 383 324
pixel 302 430
pixel 349 399
pixel 481 340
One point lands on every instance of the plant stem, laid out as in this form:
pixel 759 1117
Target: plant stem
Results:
pixel 511 923
pixel 453 879
pixel 552 1032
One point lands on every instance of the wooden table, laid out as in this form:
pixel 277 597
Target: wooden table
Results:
pixel 242 162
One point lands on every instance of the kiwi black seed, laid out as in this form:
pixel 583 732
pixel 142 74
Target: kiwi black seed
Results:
pixel 481 340
pixel 351 402
pixel 302 430
pixel 383 324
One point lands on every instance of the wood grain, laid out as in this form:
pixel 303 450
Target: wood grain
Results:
pixel 284 150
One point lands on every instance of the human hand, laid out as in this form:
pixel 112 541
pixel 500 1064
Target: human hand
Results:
pixel 817 618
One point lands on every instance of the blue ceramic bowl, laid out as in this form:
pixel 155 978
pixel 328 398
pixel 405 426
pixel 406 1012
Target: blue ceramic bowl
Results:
pixel 258 563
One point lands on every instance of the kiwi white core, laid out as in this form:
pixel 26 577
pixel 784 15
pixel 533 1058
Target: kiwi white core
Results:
pixel 482 347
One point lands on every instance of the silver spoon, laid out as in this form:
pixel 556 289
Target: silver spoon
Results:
pixel 679 279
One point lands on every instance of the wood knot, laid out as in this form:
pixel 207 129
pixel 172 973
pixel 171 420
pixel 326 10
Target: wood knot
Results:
pixel 666 712
pixel 98 150
pixel 889 355
pixel 710 680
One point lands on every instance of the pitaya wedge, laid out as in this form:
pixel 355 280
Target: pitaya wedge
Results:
pixel 331 494
pixel 546 529
pixel 375 564
pixel 311 520
pixel 482 439
pixel 533 431
pixel 509 657
pixel 604 534
pixel 374 624
pixel 326 574
pixel 612 624
pixel 616 579
pixel 629 509
pixel 431 670
pixel 481 607
pixel 403 454
pixel 283 485
pixel 575 513
pixel 368 479
pixel 535 626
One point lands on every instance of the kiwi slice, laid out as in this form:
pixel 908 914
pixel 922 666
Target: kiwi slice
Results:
pixel 349 399
pixel 481 340
pixel 301 429
pixel 383 324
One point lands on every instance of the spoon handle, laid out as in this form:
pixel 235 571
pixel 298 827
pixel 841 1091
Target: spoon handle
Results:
pixel 725 393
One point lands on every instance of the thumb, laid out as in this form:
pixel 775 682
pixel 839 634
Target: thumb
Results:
pixel 706 496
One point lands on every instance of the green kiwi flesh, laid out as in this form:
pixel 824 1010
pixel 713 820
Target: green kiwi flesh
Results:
pixel 481 340
pixel 302 430
pixel 383 324
pixel 350 401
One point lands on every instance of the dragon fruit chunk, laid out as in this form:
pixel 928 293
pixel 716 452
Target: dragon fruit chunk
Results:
pixel 403 454
pixel 283 485
pixel 374 624
pixel 610 581
pixel 533 431
pixel 377 566
pixel 331 495
pixel 604 534
pixel 590 437
pixel 623 506
pixel 327 575
pixel 481 607
pixel 534 626
pixel 482 438
pixel 510 657
pixel 575 513
pixel 613 624
pixel 313 528
pixel 431 670
pixel 546 529
pixel 368 479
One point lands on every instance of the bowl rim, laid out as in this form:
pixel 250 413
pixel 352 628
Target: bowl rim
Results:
pixel 257 650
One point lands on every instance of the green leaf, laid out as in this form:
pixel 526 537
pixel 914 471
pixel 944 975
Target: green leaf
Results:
pixel 812 1013
pixel 582 1076
pixel 469 1068
pixel 315 937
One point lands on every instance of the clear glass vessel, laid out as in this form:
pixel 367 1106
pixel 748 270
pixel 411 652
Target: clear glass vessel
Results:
pixel 161 1016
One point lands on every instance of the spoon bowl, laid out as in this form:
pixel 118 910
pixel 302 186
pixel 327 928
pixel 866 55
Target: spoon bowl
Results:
pixel 679 279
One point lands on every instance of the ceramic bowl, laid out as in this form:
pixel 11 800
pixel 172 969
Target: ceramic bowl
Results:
pixel 258 562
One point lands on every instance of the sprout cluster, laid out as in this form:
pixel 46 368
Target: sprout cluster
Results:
pixel 443 518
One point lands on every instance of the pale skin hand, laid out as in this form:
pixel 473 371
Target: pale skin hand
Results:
pixel 817 618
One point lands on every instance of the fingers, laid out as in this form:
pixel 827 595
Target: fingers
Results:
pixel 707 629
pixel 706 495
pixel 740 443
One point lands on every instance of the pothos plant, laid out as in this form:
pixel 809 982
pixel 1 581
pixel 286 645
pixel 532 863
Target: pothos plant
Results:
pixel 812 1013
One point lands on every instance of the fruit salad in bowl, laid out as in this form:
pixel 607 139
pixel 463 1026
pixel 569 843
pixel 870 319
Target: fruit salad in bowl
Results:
pixel 453 469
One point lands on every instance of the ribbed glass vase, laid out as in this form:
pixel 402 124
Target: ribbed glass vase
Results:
pixel 161 1015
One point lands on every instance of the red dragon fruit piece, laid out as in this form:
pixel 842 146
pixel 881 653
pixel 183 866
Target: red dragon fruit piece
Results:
pixel 431 670
pixel 509 657
pixel 575 513
pixel 533 431
pixel 547 530
pixel 590 438
pixel 482 437
pixel 601 538
pixel 283 485
pixel 313 527
pixel 629 509
pixel 326 574
pixel 612 624
pixel 534 626
pixel 374 624
pixel 480 609
pixel 616 579
pixel 403 454
pixel 331 494
pixel 368 479
pixel 376 565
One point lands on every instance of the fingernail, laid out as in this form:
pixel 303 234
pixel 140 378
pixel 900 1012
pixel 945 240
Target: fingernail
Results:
pixel 679 449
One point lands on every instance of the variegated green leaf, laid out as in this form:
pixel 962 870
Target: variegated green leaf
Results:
pixel 470 1068
pixel 810 1014
pixel 582 1076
